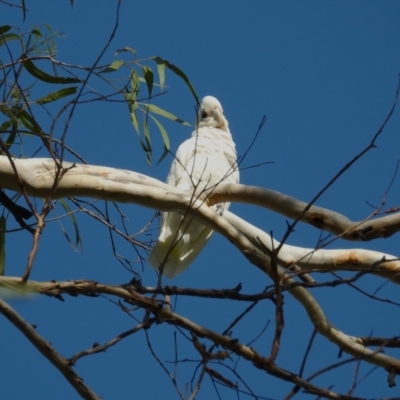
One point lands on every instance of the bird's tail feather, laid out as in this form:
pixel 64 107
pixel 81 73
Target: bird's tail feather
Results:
pixel 181 255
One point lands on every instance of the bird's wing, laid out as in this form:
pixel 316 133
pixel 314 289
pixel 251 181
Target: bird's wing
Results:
pixel 180 240
pixel 178 175
pixel 204 160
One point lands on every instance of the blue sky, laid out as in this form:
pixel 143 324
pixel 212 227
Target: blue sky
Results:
pixel 324 73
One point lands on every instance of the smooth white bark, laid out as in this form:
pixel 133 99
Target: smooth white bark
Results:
pixel 36 178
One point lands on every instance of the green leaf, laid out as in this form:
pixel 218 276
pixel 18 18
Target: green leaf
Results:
pixel 2 245
pixel 31 124
pixel 44 76
pixel 146 150
pixel 161 74
pixel 165 138
pixel 134 81
pixel 149 78
pixel 180 73
pixel 4 29
pixel 78 240
pixel 147 133
pixel 131 100
pixel 134 84
pixel 148 140
pixel 11 123
pixel 36 32
pixel 166 114
pixel 5 126
pixel 11 137
pixel 135 122
pixel 125 49
pixel 59 94
pixel 114 66
pixel 28 121
pixel 8 37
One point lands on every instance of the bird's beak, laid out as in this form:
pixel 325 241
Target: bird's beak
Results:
pixel 217 115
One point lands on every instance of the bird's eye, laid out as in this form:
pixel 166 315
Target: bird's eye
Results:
pixel 203 115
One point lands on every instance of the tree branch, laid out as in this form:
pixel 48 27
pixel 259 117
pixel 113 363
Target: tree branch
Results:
pixel 350 344
pixel 47 350
pixel 321 218
pixel 164 315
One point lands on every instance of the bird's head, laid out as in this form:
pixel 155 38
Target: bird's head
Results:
pixel 211 114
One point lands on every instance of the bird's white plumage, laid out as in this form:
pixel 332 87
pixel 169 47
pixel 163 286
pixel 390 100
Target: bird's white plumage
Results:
pixel 203 161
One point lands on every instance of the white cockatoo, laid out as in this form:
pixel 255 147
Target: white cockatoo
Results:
pixel 203 161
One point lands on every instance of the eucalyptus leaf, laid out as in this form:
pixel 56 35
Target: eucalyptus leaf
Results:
pixel 44 76
pixel 161 74
pixel 166 114
pixel 4 29
pixel 149 78
pixel 59 94
pixel 114 66
pixel 78 239
pixel 180 73
pixel 125 49
pixel 165 138
pixel 8 37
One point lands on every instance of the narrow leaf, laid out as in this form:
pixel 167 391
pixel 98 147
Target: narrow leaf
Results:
pixel 59 94
pixel 147 133
pixel 44 76
pixel 166 114
pixel 5 126
pixel 31 124
pixel 114 66
pixel 134 84
pixel 8 37
pixel 131 100
pixel 28 121
pixel 2 245
pixel 78 240
pixel 11 138
pixel 165 138
pixel 161 74
pixel 37 32
pixel 4 29
pixel 148 140
pixel 149 78
pixel 180 73
pixel 134 121
pixel 125 49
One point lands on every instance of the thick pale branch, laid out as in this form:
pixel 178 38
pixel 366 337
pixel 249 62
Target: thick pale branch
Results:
pixel 350 344
pixel 117 185
pixel 322 218
pixel 47 350
pixel 37 176
pixel 126 186
pixel 321 260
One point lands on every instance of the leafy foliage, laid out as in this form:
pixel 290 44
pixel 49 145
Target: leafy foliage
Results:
pixel 35 53
pixel 34 80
